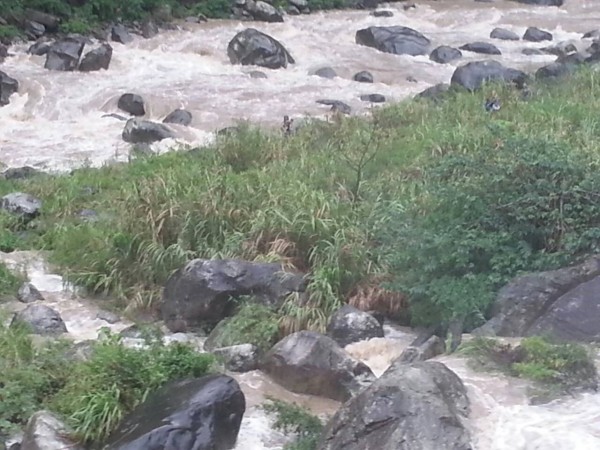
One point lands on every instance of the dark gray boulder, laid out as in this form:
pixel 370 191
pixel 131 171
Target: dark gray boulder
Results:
pixel 33 30
pixel 435 93
pixel 472 75
pixel 542 2
pixel 22 204
pixel 251 47
pixel 149 29
pixel 28 293
pixel 363 77
pixel 179 117
pixel 97 59
pixel 504 34
pixel 382 13
pixel 325 72
pixel 534 34
pixel 40 48
pixel 263 11
pixel 336 105
pixel 41 319
pixel 201 293
pixel 397 40
pixel 132 103
pixel 8 86
pixel 561 49
pixel 563 303
pixel 20 173
pixel 594 34
pixel 431 348
pixel 120 34
pixel 139 131
pixel 563 66
pixel 45 431
pixel 481 47
pixel 64 54
pixel 373 98
pixel 257 74
pixel 50 21
pixel 349 324
pixel 194 414
pixel 410 407
pixel 444 54
pixel 307 362
pixel 239 358
pixel 530 51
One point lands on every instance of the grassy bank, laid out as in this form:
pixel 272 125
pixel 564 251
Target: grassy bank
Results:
pixel 438 203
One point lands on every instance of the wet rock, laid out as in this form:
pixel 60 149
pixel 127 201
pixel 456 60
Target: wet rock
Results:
pixel 20 173
pixel 472 75
pixel 132 103
pixel 435 93
pixel 149 29
pixel 336 105
pixel 33 29
pixel 179 117
pixel 561 49
pixel 40 48
pixel 534 34
pixel 532 52
pixel 325 72
pixel 108 316
pixel 64 54
pixel 594 34
pixel 542 2
pixel 263 11
pixel 194 414
pixel 49 21
pixel 373 98
pixel 45 431
pixel 3 52
pixel 251 47
pixel 408 6
pixel 8 86
pixel 202 292
pixel 257 74
pixel 397 40
pixel 349 324
pixel 22 204
pixel 120 34
pixel 139 131
pixel 504 34
pixel 416 407
pixel 310 363
pixel 563 303
pixel 431 348
pixel 116 116
pixel 481 47
pixel 363 77
pixel 41 319
pixel 97 59
pixel 445 54
pixel 28 293
pixel 382 13
pixel 239 358
pixel 563 66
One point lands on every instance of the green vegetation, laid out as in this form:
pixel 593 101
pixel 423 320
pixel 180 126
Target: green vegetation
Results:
pixel 252 324
pixel 9 282
pixel 291 418
pixel 92 395
pixel 554 365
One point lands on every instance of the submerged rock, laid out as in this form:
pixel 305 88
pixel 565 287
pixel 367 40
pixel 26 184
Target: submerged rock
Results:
pixel 251 47
pixel 325 72
pixel 310 363
pixel 373 98
pixel 504 34
pixel 201 293
pixel 397 40
pixel 481 47
pixel 194 414
pixel 363 77
pixel 445 54
pixel 179 117
pixel 410 407
pixel 45 431
pixel 349 324
pixel 41 319
pixel 138 131
pixel 97 59
pixel 534 34
pixel 336 105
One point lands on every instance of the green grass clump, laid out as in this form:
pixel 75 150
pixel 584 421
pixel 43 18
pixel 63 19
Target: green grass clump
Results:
pixel 294 419
pixel 92 395
pixel 9 282
pixel 252 324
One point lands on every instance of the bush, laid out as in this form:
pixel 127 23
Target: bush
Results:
pixel 93 395
pixel 291 418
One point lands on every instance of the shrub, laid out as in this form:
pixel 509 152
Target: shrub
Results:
pixel 291 418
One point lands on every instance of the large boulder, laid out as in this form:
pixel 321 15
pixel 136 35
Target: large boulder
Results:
pixel 239 358
pixel 363 76
pixel 251 47
pixel 201 293
pixel 410 407
pixel 349 324
pixel 563 303
pixel 194 414
pixel 263 11
pixel 64 54
pixel 179 117
pixel 397 40
pixel 444 54
pixel 28 293
pixel 310 363
pixel 431 348
pixel 504 35
pixel 132 103
pixel 472 75
pixel 45 431
pixel 41 319
pixel 534 34
pixel 139 131
pixel 22 204
pixel 121 34
pixel 8 86
pixel 50 21
pixel 97 59
pixel 481 47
